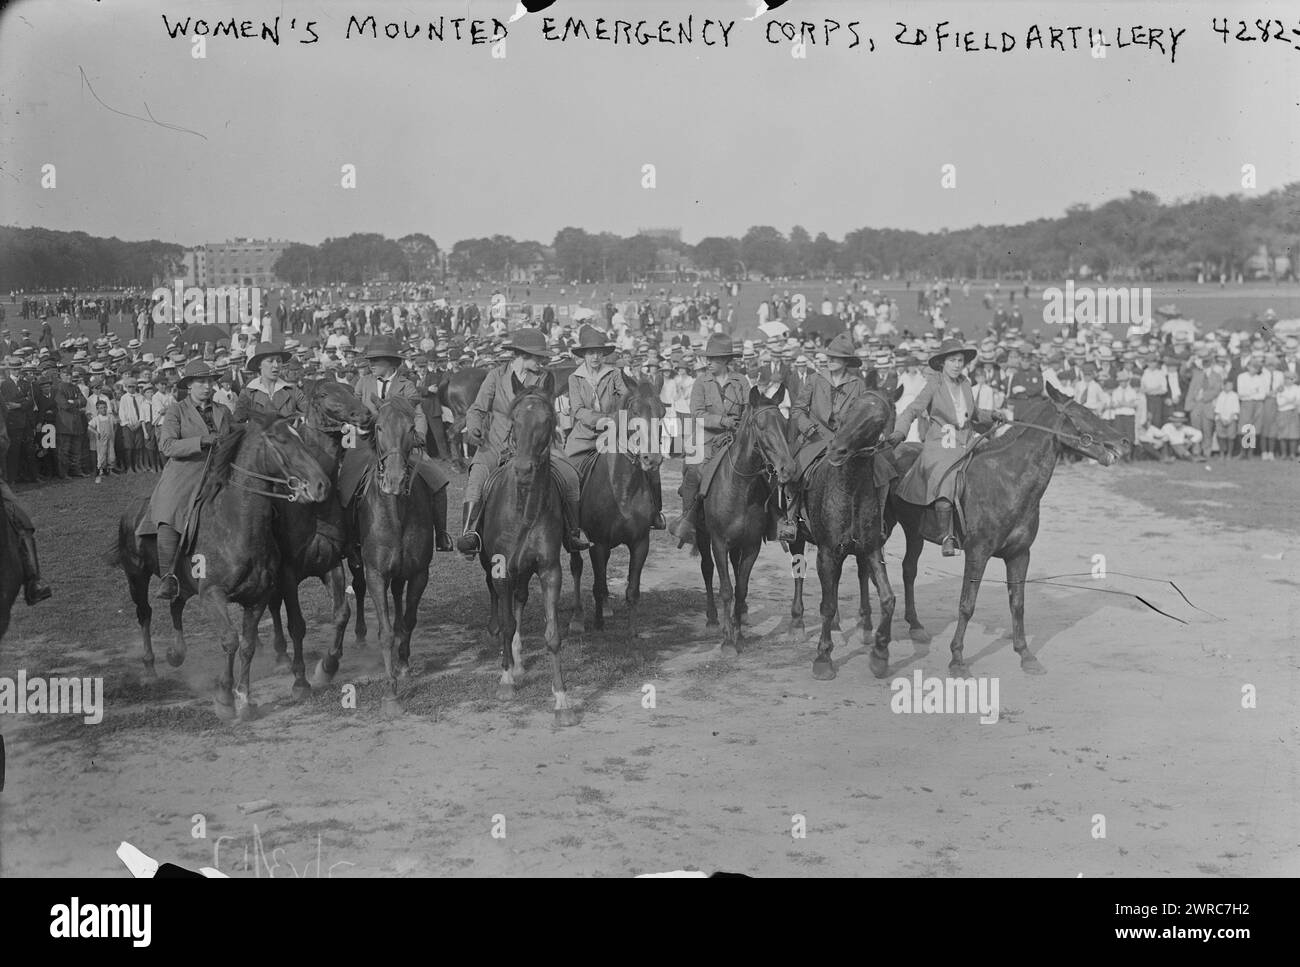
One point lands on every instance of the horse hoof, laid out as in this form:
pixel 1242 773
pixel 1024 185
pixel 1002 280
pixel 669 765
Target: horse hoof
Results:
pixel 824 671
pixel 565 717
pixel 403 671
pixel 1032 666
pixel 246 712
pixel 281 659
pixel 959 669
pixel 505 693
pixel 175 658
pixel 879 666
pixel 320 678
pixel 149 675
pixel 225 709
pixel 360 642
pixel 390 707
pixel 729 651
pixel 301 692
pixel 576 626
pixel 711 622
pixel 920 636
pixel 703 648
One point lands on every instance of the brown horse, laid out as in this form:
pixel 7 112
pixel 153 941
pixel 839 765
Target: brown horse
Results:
pixel 845 517
pixel 522 525
pixel 313 539
pixel 1005 480
pixel 234 557
pixel 394 526
pixel 618 507
pixel 735 514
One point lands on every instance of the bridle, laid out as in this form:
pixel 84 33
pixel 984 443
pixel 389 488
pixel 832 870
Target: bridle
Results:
pixel 297 486
pixel 768 469
pixel 874 448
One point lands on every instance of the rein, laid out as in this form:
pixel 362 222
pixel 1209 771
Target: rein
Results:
pixel 293 483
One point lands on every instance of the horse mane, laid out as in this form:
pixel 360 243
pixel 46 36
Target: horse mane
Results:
pixel 404 407
pixel 222 457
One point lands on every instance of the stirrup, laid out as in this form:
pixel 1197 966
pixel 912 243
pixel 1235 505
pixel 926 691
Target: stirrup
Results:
pixel 659 522
pixel 469 544
pixel 950 551
pixel 169 588
pixel 575 541
pixel 34 593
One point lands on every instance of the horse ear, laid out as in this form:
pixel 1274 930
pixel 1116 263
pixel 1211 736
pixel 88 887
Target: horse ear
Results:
pixel 1055 395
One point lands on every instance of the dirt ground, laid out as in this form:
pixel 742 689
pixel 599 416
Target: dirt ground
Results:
pixel 1139 720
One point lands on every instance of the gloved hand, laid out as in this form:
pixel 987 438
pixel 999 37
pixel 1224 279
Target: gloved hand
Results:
pixel 207 440
pixel 895 438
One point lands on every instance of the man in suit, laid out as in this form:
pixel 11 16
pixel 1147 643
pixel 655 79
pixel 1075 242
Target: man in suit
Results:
pixel 17 412
pixel 387 379
pixel 69 428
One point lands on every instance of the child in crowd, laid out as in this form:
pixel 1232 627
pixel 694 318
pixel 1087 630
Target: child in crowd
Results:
pixel 1227 410
pixel 1286 429
pixel 101 428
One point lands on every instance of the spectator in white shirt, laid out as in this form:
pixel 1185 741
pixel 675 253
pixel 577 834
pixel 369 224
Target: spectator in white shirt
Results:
pixel 1179 438
pixel 1253 387
pixel 1227 411
pixel 131 419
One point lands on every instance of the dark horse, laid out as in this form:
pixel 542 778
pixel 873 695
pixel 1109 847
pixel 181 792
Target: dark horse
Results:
pixel 314 539
pixel 456 393
pixel 394 526
pixel 618 507
pixel 1005 480
pixel 234 558
pixel 736 512
pixel 522 524
pixel 845 517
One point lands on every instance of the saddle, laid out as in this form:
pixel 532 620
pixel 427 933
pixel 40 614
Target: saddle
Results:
pixel 585 464
pixel 710 466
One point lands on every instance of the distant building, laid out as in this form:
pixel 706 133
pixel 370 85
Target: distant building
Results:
pixel 241 261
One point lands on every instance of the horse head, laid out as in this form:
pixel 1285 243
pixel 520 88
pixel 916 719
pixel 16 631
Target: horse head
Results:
pixel 1081 430
pixel 331 404
pixel 276 454
pixel 532 428
pixel 870 417
pixel 645 415
pixel 394 438
pixel 764 422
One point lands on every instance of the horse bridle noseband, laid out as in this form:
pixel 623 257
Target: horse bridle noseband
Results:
pixel 408 476
pixel 294 483
pixel 767 470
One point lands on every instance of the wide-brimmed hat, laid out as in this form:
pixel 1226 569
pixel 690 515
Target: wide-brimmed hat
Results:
pixel 530 341
pixel 384 347
pixel 591 338
pixel 842 347
pixel 195 369
pixel 947 348
pixel 262 350
pixel 719 346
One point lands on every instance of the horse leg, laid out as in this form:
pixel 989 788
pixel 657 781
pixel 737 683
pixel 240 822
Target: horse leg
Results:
pixel 915 544
pixel 245 710
pixel 297 631
pixel 278 641
pixel 176 653
pixel 798 567
pixel 706 571
pixel 400 666
pixel 636 562
pixel 736 555
pixel 326 667
pixel 494 614
pixel 414 592
pixel 873 563
pixel 550 580
pixel 138 584
pixel 504 613
pixel 744 566
pixel 224 700
pixel 599 584
pixel 359 592
pixel 970 589
pixel 384 615
pixel 576 623
pixel 830 565
pixel 1017 570
pixel 728 592
pixel 517 639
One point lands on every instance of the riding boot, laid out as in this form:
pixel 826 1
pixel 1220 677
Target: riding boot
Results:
pixel 943 511
pixel 658 523
pixel 442 540
pixel 683 528
pixel 788 530
pixel 575 541
pixel 169 540
pixel 469 543
pixel 33 589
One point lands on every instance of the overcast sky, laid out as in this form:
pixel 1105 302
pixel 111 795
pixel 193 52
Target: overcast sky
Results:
pixel 449 141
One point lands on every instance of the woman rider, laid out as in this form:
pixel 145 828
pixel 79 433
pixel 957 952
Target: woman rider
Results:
pixel 949 404
pixel 189 429
pixel 596 394
pixel 267 394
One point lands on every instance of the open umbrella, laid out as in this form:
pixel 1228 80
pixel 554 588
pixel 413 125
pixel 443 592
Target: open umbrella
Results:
pixel 1179 325
pixel 206 332
pixel 582 312
pixel 774 328
pixel 816 324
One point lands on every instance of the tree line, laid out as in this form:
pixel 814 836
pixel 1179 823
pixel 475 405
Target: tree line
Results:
pixel 1134 238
